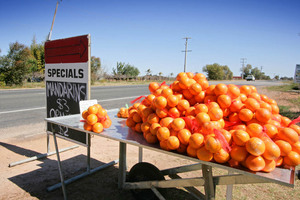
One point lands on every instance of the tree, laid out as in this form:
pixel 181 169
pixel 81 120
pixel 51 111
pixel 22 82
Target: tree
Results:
pixel 246 71
pixel 218 72
pixel 125 69
pixel 95 68
pixel 148 72
pixel 38 56
pixel 13 66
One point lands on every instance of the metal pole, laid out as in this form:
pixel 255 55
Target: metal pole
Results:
pixel 122 165
pixel 185 52
pixel 50 33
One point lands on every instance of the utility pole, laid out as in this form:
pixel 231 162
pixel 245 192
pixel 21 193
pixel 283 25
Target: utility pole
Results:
pixel 243 60
pixel 186 44
pixel 50 33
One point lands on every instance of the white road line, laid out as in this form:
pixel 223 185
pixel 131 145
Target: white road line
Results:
pixel 38 108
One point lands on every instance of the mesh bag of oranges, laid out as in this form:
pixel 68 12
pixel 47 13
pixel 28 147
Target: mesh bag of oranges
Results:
pixel 221 123
pixel 96 119
pixel 123 112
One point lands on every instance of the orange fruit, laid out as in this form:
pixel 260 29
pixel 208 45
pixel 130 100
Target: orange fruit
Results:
pixel 173 132
pixel 199 76
pixel 180 75
pixel 238 153
pixel 187 94
pixel 253 89
pixel 167 92
pixel 236 105
pixel 137 128
pixel 91 119
pixel 97 127
pixel 245 89
pixel 166 122
pixel 272 151
pixel 243 98
pixel 255 146
pixel 288 135
pixel 255 163
pixel 201 108
pixel 136 118
pixel 151 139
pixel 178 124
pixel 184 136
pixel 204 154
pixel 295 128
pixel 263 115
pixel 252 104
pixel 233 91
pixel 279 161
pixel 211 105
pixel 245 115
pixel 84 114
pixel 204 84
pixel 224 101
pixel 153 86
pixel 264 98
pixel 173 143
pixel 207 128
pixel 161 113
pixel 145 127
pixel 285 147
pixel 202 118
pixel 271 101
pixel 275 109
pixel 212 144
pixel 146 112
pixel 255 96
pixel 233 163
pixel 254 130
pixel 160 102
pixel 152 118
pixel 172 100
pixel 294 158
pixel 210 90
pixel 190 74
pixel 210 98
pixel 215 114
pixel 195 89
pixel 271 130
pixel 200 97
pixel 181 149
pixel 220 89
pixel 184 82
pixel 270 165
pixel 285 121
pixel 98 106
pixel 157 92
pixel 196 140
pixel 130 123
pixel 154 128
pixel 106 122
pixel 266 105
pixel 164 145
pixel 183 105
pixel 163 133
pixel 240 137
pixel 227 135
pixel 93 110
pixel 174 112
pixel 87 126
pixel 192 152
pixel 296 147
pixel 190 111
pixel 239 127
pixel 221 156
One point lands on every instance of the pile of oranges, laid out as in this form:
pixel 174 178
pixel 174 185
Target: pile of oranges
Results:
pixel 123 113
pixel 220 123
pixel 96 119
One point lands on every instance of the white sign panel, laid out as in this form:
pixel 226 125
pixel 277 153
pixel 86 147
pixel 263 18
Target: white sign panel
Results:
pixel 297 74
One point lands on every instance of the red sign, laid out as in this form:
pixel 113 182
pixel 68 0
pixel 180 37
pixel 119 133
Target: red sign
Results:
pixel 69 50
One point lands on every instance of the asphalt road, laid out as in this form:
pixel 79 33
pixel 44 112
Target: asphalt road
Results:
pixel 27 106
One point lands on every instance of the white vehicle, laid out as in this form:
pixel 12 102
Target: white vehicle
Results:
pixel 250 78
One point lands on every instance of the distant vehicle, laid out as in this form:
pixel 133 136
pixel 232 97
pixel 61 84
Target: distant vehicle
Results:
pixel 250 78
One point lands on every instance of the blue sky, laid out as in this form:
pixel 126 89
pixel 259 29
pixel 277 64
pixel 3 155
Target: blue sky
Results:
pixel 148 34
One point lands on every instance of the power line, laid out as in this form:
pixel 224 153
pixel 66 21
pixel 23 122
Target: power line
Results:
pixel 243 60
pixel 186 44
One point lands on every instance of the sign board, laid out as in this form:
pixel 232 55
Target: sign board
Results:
pixel 67 76
pixel 297 74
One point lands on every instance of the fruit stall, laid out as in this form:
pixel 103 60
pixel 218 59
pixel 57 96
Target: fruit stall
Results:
pixel 217 126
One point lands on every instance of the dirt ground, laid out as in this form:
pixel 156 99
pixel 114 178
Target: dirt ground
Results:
pixel 30 180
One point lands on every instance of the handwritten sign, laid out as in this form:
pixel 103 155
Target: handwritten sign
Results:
pixel 67 81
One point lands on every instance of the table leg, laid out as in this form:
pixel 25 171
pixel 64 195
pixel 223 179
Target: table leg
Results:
pixel 140 154
pixel 60 168
pixel 122 164
pixel 229 188
pixel 209 186
pixel 88 153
